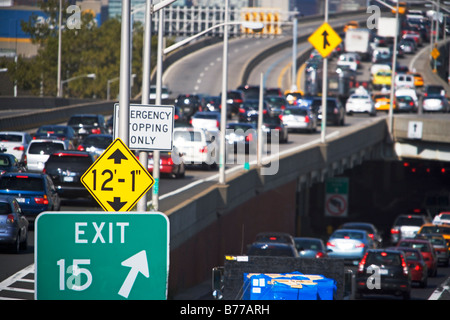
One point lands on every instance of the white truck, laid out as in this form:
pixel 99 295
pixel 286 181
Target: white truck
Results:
pixel 358 40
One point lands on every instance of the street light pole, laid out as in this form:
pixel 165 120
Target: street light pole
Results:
pixel 394 66
pixel 323 124
pixel 58 82
pixel 223 111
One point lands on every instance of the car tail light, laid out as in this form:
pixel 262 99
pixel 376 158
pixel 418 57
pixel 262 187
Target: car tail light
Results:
pixel 404 265
pixel 10 218
pixel 249 137
pixel 336 111
pixel 320 254
pixel 80 148
pixel 41 200
pixel 331 244
pixel 22 177
pixel 25 159
pixel 307 119
pixel 395 231
pixel 204 149
pixel 359 245
pixel 278 128
pixel 96 131
pixel 176 117
pixel 362 263
pixel 19 148
pixel 238 101
pixel 371 236
pixel 241 110
pixel 217 124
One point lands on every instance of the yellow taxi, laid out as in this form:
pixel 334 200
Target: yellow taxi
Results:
pixel 382 101
pixel 443 229
pixel 418 79
pixel 351 25
pixel 382 78
pixel 293 96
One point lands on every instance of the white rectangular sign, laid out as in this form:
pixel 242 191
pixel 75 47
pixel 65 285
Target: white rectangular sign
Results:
pixel 151 127
pixel 415 129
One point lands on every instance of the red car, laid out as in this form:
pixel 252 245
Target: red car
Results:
pixel 416 264
pixel 170 164
pixel 427 251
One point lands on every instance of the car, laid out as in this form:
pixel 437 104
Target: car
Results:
pixel 272 249
pixel 382 101
pixel 383 271
pixel 353 24
pixel 442 218
pixel 273 127
pixel 86 124
pixel 66 168
pixel 250 91
pixel 249 110
pixel 406 226
pixel 435 103
pixel 440 245
pixel 197 146
pixel 59 132
pixel 335 111
pixel 165 92
pixel 39 150
pixel 13 224
pixel 212 103
pixel 170 164
pixel 9 163
pixel 382 78
pixel 96 144
pixel 35 192
pixel 235 98
pixel 373 232
pixel 418 79
pixel 208 120
pixel 349 244
pixel 427 251
pixel 442 229
pixel 276 104
pixel 241 138
pixel 403 80
pixel 309 247
pixel 408 46
pixel 299 119
pixel 273 92
pixel 403 92
pixel 347 59
pixel 292 96
pixel 434 89
pixel 417 266
pixel 189 104
pixel 15 143
pixel 278 237
pixel 405 104
pixel 360 103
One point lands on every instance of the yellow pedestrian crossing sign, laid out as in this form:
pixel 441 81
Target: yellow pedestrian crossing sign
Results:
pixel 435 53
pixel 117 180
pixel 325 39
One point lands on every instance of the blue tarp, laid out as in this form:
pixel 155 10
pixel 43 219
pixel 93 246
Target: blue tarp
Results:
pixel 288 286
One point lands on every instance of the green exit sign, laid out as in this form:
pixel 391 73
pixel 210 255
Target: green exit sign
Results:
pixel 99 256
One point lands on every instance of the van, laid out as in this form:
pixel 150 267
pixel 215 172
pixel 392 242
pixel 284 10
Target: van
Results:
pixel 39 151
pixel 404 81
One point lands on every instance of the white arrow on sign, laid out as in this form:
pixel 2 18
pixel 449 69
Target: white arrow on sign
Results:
pixel 137 263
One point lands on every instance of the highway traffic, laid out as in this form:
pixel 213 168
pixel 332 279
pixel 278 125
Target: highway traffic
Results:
pixel 198 73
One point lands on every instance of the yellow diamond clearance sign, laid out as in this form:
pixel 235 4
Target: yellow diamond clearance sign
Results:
pixel 117 180
pixel 325 40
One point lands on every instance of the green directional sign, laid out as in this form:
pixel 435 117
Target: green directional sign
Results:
pixel 98 256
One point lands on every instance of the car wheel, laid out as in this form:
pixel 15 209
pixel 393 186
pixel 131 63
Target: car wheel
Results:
pixel 15 248
pixel 24 244
pixel 424 283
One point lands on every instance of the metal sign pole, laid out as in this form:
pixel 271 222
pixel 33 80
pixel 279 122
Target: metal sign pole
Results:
pixel 324 88
pixel 223 111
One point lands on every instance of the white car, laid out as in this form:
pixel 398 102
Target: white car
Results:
pixel 165 93
pixel 208 120
pixel 402 92
pixel 297 118
pixel 435 103
pixel 348 59
pixel 39 151
pixel 360 102
pixel 198 146
pixel 442 218
pixel 15 143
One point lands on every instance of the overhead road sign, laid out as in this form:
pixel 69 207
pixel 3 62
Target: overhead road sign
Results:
pixel 98 256
pixel 117 180
pixel 325 40
pixel 150 127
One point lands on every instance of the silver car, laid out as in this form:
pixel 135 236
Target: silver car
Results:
pixel 13 224
pixel 15 143
pixel 295 118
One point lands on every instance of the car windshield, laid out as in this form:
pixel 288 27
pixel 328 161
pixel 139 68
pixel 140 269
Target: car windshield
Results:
pixel 308 244
pixel 296 111
pixel 384 258
pixel 409 221
pixel 183 136
pixel 7 137
pixel 83 120
pixel 266 250
pixel 435 229
pixel 21 183
pixel 97 141
pixel 348 235
pixel 5 208
pixel 52 130
pixel 69 162
pixel 208 116
pixel 242 127
pixel 412 255
pixel 421 246
pixel 47 147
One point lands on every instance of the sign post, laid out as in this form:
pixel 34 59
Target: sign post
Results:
pixel 336 197
pixel 97 256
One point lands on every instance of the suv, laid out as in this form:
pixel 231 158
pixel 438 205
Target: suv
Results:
pixel 406 226
pixel 65 169
pixel 189 104
pixel 383 271
pixel 335 110
pixel 39 150
pixel 272 249
pixel 86 124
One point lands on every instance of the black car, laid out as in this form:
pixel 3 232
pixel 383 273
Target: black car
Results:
pixel 383 271
pixel 277 237
pixel 189 104
pixel 249 110
pixel 9 163
pixel 86 124
pixel 55 132
pixel 241 137
pixel 65 169
pixel 235 99
pixel 433 89
pixel 335 110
